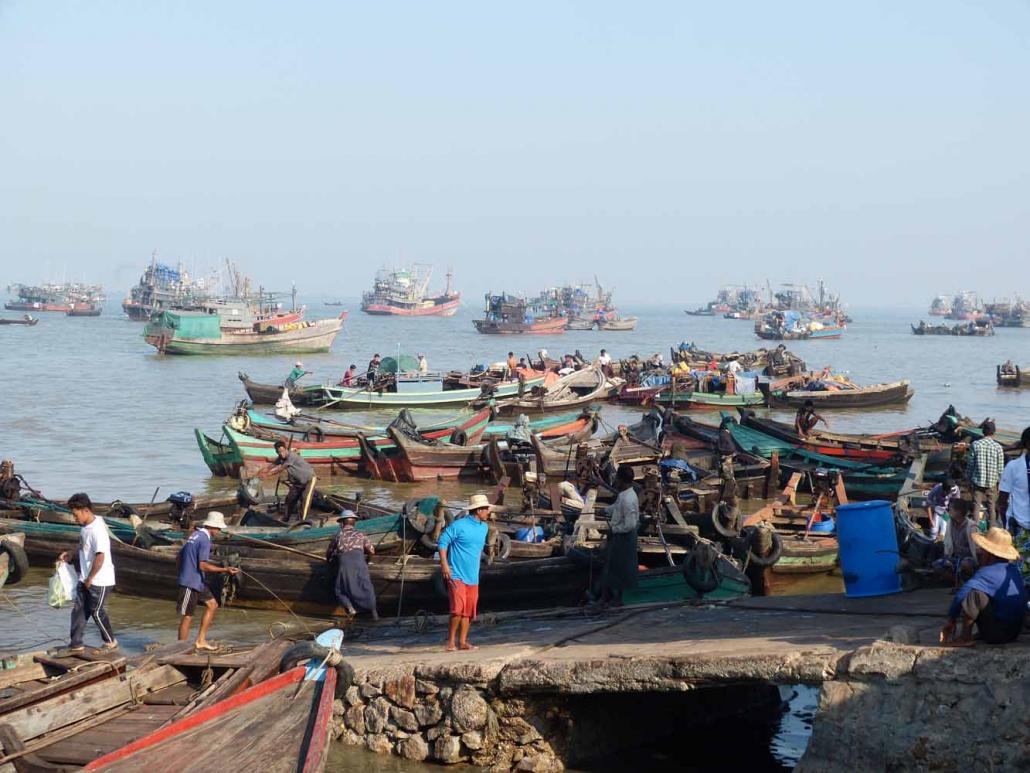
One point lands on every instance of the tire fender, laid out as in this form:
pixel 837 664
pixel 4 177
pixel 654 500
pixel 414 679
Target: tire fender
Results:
pixel 18 561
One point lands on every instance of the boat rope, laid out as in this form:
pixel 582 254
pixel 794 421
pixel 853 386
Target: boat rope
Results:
pixel 28 619
pixel 285 605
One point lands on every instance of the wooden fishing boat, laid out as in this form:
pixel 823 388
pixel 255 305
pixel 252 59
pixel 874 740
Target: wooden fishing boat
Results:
pixel 269 394
pixel 507 315
pixel 72 710
pixel 893 393
pixel 330 455
pixel 580 323
pixel 185 332
pixel 1016 377
pixel 827 332
pixel 423 391
pixel 85 310
pixel 579 388
pixel 280 724
pixel 711 401
pixel 610 324
pixel 27 321
pixel 405 292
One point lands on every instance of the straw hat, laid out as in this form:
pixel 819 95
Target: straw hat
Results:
pixel 214 520
pixel 347 515
pixel 478 501
pixel 997 542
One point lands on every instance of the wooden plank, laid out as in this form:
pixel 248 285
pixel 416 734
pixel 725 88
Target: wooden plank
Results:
pixel 69 681
pixel 228 660
pixel 46 716
pixel 62 664
pixel 26 673
pixel 57 735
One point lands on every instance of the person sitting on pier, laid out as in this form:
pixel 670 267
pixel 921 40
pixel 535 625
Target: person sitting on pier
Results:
pixel 350 376
pixel 806 418
pixel 300 478
pixel 994 599
pixel 193 561
pixel 959 562
pixel 620 566
pixel 461 550
pixel 353 585
pixel 938 500
pixel 294 375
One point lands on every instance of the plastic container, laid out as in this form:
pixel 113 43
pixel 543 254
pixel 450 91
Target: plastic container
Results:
pixel 868 549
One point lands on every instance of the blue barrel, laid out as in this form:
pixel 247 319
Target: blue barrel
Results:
pixel 868 549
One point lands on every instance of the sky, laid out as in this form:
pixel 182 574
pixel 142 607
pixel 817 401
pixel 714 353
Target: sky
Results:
pixel 667 147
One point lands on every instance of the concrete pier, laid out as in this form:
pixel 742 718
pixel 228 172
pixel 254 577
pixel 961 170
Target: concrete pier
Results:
pixel 516 702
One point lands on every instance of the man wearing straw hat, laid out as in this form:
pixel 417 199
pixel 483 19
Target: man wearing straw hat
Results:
pixel 193 561
pixel 461 547
pixel 353 586
pixel 994 598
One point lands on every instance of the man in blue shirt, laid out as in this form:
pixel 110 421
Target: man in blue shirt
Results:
pixel 193 561
pixel 461 548
pixel 994 598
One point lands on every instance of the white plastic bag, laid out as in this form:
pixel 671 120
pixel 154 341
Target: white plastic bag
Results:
pixel 62 584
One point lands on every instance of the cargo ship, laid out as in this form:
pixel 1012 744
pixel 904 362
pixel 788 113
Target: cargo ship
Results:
pixel 510 315
pixel 404 293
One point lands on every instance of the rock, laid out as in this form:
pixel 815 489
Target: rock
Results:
pixel 445 693
pixel 351 738
pixel 338 708
pixel 903 634
pixel 354 718
pixel 422 687
pixel 352 696
pixel 428 714
pixel 369 690
pixel 468 710
pixel 377 715
pixel 405 720
pixel 539 763
pixel 379 743
pixel 413 748
pixel 401 691
pixel 435 732
pixel 473 739
pixel 447 749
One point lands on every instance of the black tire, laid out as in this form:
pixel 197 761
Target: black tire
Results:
pixel 17 563
pixel 427 541
pixel 701 579
pixel 459 437
pixel 718 513
pixel 300 652
pixel 503 551
pixel 767 560
pixel 248 495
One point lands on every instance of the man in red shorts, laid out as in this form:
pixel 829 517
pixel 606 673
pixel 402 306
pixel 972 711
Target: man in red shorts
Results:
pixel 461 546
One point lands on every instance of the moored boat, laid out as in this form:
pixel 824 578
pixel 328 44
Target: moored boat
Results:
pixel 1010 375
pixel 84 310
pixel 579 388
pixel 838 393
pixel 198 333
pixel 404 292
pixel 26 320
pixel 509 315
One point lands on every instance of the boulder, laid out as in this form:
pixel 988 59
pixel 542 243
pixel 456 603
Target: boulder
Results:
pixel 447 749
pixel 401 691
pixel 377 715
pixel 468 710
pixel 413 748
pixel 404 719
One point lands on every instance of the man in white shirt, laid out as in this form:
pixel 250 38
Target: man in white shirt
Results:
pixel 1014 491
pixel 96 574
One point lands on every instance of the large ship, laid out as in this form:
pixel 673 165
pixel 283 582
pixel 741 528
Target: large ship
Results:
pixel 940 306
pixel 966 306
pixel 163 287
pixel 510 315
pixel 53 297
pixel 404 293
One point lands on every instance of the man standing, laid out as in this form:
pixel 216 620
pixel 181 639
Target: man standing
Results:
pixel 513 366
pixel 986 459
pixel 1014 500
pixel 938 500
pixel 96 574
pixel 294 375
pixel 620 566
pixel 806 418
pixel 423 365
pixel 461 548
pixel 300 478
pixel 193 561
pixel 604 361
pixel 353 586
pixel 373 370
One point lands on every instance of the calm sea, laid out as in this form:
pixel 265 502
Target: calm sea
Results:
pixel 89 406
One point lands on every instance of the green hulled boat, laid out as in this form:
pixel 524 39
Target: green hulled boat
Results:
pixel 708 400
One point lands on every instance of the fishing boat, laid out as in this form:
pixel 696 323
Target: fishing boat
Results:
pixel 617 323
pixel 510 315
pixel 26 320
pixel 242 455
pixel 400 384
pixel 704 311
pixel 576 389
pixel 837 392
pixel 161 287
pixel 710 401
pixel 940 306
pixel 52 297
pixel 84 310
pixel 791 326
pixel 769 435
pixel 404 292
pixel 285 719
pixel 72 710
pixel 966 306
pixel 199 332
pixel 973 327
pixel 1009 375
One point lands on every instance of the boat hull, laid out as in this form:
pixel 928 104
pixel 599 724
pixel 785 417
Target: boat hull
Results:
pixel 318 337
pixel 438 308
pixel 543 327
pixel 345 397
pixel 898 393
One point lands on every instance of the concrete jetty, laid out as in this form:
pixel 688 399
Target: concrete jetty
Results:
pixel 890 697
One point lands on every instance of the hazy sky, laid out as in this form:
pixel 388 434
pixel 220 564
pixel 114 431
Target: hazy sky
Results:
pixel 668 147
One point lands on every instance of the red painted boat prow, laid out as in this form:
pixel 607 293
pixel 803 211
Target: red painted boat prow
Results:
pixel 282 723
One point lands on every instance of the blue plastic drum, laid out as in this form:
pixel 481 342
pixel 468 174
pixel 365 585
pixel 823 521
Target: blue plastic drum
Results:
pixel 868 549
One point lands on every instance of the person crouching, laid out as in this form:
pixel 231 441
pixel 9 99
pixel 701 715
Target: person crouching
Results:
pixel 959 562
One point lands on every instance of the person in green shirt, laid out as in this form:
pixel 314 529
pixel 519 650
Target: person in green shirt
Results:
pixel 295 375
